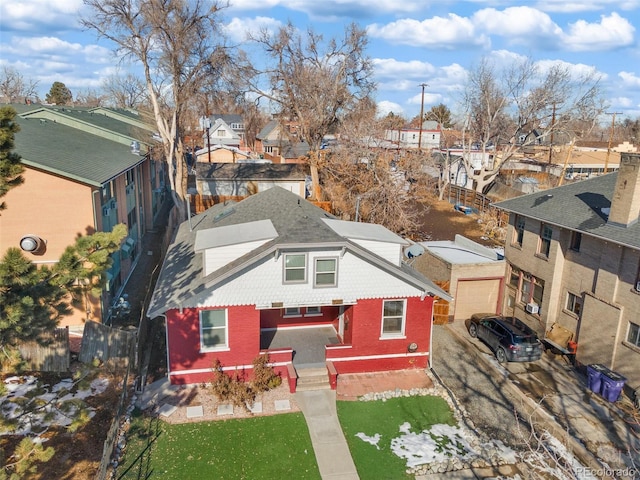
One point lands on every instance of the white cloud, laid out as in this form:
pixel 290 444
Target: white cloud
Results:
pixel 436 32
pixel 33 15
pixel 238 29
pixel 564 6
pixel 390 68
pixel 517 24
pixel 622 102
pixel 611 32
pixel 333 9
pixel 576 70
pixel 629 79
pixel 385 107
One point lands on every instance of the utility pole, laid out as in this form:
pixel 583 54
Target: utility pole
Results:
pixel 613 126
pixel 553 123
pixel 421 116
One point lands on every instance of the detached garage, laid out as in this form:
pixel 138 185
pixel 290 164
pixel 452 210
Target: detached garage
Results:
pixel 475 274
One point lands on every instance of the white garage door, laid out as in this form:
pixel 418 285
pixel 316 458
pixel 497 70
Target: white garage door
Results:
pixel 475 296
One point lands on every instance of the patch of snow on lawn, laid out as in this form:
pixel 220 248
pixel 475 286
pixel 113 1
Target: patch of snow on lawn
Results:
pixel 439 443
pixel 48 408
pixel 372 440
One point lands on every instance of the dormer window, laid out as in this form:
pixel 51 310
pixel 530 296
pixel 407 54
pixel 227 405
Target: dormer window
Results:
pixel 326 272
pixel 295 268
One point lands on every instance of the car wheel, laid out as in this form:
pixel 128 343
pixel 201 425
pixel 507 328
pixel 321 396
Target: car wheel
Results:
pixel 501 355
pixel 473 330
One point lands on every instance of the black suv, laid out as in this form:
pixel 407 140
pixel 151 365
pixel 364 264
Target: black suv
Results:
pixel 509 337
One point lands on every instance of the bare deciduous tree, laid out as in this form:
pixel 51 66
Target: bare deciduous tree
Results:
pixel 14 87
pixel 366 182
pixel 313 82
pixel 504 108
pixel 178 44
pixel 125 91
pixel 89 98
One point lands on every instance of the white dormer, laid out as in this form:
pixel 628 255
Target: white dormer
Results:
pixel 375 238
pixel 222 245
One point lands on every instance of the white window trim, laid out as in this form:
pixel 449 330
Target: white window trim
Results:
pixel 577 299
pixel 313 314
pixel 394 336
pixel 220 348
pixel 284 269
pixel 626 338
pixel 315 273
pixel 290 315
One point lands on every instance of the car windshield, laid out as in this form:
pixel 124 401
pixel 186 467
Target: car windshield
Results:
pixel 525 339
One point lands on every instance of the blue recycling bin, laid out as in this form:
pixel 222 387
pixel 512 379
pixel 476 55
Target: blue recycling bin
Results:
pixel 594 374
pixel 612 385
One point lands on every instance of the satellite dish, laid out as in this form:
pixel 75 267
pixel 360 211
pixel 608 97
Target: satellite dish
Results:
pixel 414 250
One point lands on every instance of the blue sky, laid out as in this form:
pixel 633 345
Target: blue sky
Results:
pixel 411 42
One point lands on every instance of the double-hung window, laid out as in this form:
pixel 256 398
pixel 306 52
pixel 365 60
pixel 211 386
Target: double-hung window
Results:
pixel 545 240
pixel 574 303
pixel 295 268
pixel 633 336
pixel 519 230
pixel 576 240
pixel 393 318
pixel 213 329
pixel 326 272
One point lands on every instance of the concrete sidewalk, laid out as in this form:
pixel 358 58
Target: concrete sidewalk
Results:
pixel 330 446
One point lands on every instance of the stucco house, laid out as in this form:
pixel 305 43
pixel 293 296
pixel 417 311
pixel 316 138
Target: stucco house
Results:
pixel 85 171
pixel 274 274
pixel 573 266
pixel 471 273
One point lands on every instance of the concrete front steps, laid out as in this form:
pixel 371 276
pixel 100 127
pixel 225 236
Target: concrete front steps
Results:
pixel 312 377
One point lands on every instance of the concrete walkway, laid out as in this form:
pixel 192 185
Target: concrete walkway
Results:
pixel 330 446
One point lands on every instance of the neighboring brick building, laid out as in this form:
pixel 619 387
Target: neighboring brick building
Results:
pixel 86 170
pixel 573 266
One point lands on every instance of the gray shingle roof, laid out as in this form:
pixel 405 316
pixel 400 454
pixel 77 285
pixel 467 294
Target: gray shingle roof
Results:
pixel 579 207
pixel 251 171
pixel 297 223
pixel 72 153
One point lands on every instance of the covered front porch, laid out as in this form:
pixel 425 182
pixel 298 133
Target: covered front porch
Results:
pixel 308 343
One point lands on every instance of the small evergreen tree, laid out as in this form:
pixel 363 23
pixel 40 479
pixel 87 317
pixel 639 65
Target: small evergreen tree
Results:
pixel 59 94
pixel 32 299
pixel 10 166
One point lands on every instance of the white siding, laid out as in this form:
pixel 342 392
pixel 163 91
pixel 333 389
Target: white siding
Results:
pixel 263 284
pixel 294 186
pixel 392 252
pixel 215 258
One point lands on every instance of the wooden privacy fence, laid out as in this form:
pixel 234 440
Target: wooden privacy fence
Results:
pixel 53 357
pixel 114 429
pixel 103 343
pixel 478 201
pixel 441 306
pixel 200 203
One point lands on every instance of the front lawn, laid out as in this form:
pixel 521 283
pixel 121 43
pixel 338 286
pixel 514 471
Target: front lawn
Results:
pixel 369 428
pixel 261 447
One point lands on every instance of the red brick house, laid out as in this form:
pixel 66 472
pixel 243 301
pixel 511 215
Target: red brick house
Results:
pixel 274 274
